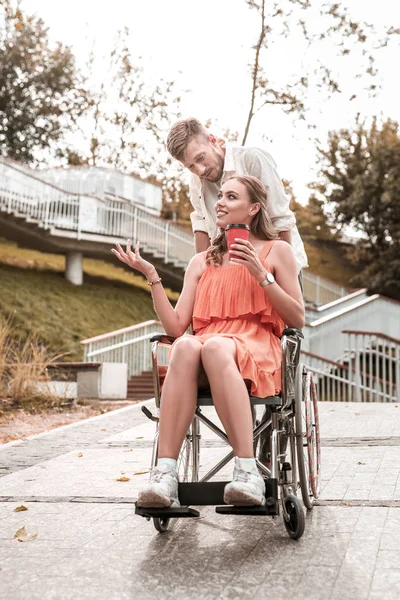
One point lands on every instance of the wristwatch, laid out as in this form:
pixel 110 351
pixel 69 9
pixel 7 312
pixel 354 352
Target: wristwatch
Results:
pixel 269 279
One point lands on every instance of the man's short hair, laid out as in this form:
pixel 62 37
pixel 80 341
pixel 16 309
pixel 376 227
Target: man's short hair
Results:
pixel 181 133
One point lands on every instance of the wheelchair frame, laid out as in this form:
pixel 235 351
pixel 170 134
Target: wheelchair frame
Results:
pixel 294 413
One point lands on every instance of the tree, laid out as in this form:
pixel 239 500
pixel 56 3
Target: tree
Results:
pixel 360 178
pixel 318 27
pixel 311 219
pixel 40 87
pixel 129 116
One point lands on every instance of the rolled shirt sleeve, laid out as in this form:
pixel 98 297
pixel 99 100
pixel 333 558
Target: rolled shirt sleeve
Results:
pixel 197 217
pixel 260 164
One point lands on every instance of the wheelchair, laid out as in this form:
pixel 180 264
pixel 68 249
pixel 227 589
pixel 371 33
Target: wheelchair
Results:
pixel 294 443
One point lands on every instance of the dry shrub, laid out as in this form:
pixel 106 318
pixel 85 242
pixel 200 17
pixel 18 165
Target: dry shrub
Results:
pixel 24 377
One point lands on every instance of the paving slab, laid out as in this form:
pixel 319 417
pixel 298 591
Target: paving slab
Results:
pixel 90 545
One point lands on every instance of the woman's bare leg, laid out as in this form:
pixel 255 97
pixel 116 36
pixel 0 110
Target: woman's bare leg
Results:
pixel 229 392
pixel 179 396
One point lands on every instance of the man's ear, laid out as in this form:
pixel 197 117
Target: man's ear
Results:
pixel 212 139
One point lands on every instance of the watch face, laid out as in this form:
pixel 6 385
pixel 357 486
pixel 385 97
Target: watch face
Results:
pixel 269 277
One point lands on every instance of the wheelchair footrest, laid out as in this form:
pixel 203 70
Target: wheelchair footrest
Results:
pixel 167 513
pixel 247 510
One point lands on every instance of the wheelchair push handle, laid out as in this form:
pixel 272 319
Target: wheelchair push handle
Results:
pixel 292 331
pixel 162 338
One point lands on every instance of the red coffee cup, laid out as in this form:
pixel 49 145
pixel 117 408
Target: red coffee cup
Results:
pixel 237 230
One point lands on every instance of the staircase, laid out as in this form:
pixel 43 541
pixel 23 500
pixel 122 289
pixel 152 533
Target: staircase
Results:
pixel 140 387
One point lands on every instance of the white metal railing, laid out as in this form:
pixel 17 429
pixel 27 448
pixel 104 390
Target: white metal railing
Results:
pixel 318 312
pixel 375 313
pixel 24 195
pixel 369 373
pixel 102 181
pixel 319 290
pixel 374 361
pixel 130 345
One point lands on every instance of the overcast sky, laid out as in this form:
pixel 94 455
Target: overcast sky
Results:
pixel 206 47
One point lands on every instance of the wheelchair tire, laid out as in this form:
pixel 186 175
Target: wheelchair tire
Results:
pixel 296 521
pixel 312 434
pixel 307 436
pixel 161 524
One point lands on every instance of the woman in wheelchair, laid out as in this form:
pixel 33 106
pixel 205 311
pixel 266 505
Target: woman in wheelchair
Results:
pixel 237 305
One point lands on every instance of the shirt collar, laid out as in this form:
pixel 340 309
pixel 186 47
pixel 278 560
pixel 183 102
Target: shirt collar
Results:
pixel 229 164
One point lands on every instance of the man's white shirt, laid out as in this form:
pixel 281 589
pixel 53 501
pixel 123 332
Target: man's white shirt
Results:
pixel 240 160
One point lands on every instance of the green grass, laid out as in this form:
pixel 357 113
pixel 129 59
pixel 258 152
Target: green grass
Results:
pixel 37 298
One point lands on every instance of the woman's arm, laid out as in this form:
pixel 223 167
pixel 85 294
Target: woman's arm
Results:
pixel 174 320
pixel 285 294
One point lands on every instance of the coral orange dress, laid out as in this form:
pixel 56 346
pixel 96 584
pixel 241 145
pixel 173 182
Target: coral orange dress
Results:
pixel 230 302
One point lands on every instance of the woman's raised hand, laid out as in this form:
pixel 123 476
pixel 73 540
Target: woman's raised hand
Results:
pixel 246 255
pixel 133 259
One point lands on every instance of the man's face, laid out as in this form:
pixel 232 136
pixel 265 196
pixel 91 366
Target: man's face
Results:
pixel 205 158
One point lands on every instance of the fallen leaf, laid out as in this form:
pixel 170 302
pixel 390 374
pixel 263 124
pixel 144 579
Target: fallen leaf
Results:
pixel 140 437
pixel 361 463
pixel 140 472
pixel 124 479
pixel 20 508
pixel 357 414
pixel 104 429
pixel 80 454
pixel 22 536
pixel 130 450
pixel 27 538
pixel 20 532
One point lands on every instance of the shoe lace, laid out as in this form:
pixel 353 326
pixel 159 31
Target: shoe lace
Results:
pixel 242 475
pixel 156 476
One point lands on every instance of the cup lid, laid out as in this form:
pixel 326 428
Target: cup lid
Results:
pixel 237 226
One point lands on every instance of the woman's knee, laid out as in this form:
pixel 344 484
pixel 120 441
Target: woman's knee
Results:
pixel 187 351
pixel 217 351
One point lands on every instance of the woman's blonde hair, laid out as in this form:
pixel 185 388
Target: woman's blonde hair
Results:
pixel 261 226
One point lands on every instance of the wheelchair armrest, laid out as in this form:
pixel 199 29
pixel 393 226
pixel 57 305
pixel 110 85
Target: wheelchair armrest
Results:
pixel 162 338
pixel 293 331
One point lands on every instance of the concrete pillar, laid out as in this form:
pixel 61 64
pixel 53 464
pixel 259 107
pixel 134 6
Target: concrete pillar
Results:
pixel 74 267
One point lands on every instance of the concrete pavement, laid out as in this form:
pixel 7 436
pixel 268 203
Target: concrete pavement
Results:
pixel 90 545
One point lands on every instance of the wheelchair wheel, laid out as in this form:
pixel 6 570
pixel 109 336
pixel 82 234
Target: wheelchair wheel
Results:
pixel 295 522
pixel 161 524
pixel 307 436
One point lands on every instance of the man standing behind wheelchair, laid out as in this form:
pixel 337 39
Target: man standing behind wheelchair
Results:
pixel 238 303
pixel 212 161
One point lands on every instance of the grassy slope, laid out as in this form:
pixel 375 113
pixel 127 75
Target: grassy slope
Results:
pixel 34 293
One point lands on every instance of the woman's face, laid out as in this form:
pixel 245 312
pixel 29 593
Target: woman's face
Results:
pixel 234 205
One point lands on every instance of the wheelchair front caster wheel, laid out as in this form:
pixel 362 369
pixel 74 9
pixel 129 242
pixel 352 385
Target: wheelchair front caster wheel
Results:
pixel 295 522
pixel 161 523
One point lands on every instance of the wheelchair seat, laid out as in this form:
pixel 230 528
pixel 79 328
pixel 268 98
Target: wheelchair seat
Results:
pixel 204 398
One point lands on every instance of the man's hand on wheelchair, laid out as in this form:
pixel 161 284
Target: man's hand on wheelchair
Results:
pixel 133 258
pixel 246 255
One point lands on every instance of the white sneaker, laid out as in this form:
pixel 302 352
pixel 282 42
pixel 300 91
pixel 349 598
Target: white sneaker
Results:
pixel 162 489
pixel 247 487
